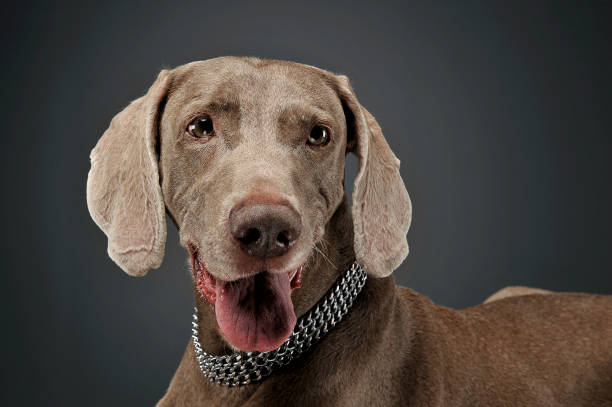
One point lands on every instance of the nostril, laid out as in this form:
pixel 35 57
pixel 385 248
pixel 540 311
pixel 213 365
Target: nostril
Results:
pixel 264 230
pixel 252 235
pixel 282 239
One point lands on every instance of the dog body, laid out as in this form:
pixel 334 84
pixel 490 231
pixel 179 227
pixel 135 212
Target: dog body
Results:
pixel 516 352
pixel 247 158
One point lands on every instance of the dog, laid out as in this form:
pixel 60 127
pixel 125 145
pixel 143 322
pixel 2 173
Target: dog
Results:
pixel 247 157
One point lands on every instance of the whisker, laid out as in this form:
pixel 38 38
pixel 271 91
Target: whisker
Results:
pixel 325 257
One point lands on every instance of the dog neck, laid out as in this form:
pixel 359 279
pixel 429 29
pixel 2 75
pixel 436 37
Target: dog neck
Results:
pixel 333 256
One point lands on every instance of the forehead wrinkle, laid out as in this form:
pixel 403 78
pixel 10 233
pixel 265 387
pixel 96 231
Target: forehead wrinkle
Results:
pixel 211 81
pixel 202 96
pixel 298 112
pixel 202 105
pixel 224 98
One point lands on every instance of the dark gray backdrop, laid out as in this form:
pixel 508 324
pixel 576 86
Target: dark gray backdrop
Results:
pixel 501 116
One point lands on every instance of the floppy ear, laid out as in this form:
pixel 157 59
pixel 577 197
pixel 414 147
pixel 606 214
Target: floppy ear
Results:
pixel 381 206
pixel 123 191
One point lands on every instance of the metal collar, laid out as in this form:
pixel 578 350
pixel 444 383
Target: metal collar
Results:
pixel 248 367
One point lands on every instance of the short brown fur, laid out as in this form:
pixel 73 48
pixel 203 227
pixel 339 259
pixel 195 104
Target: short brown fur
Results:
pixel 395 347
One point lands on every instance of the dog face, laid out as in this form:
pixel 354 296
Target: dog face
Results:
pixel 257 189
pixel 247 157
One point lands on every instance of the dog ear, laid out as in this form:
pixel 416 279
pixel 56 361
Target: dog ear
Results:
pixel 123 190
pixel 381 206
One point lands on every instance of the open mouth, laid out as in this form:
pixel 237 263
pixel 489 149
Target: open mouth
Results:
pixel 255 312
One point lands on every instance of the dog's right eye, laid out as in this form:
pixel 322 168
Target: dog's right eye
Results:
pixel 201 128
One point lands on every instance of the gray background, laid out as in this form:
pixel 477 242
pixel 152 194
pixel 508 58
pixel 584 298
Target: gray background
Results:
pixel 501 116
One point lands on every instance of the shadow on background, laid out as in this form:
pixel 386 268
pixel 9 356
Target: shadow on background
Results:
pixel 501 117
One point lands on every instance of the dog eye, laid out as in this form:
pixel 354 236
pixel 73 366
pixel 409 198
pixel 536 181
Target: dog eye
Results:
pixel 319 136
pixel 201 127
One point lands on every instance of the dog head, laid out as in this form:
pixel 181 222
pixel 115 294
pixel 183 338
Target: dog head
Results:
pixel 247 157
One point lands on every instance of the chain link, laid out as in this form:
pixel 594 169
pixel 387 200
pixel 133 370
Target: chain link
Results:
pixel 244 368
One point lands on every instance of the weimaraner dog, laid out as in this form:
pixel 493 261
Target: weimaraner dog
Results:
pixel 294 297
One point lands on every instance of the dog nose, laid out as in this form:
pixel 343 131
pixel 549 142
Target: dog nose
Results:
pixel 265 230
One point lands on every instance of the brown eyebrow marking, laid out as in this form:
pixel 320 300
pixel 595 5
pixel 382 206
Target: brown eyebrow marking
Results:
pixel 223 106
pixel 304 115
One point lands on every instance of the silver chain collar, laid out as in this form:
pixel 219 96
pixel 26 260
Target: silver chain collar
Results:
pixel 244 368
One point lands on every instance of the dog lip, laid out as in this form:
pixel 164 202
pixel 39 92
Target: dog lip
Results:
pixel 296 278
pixel 207 282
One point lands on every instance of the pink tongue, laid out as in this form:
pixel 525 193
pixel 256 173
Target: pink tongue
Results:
pixel 256 313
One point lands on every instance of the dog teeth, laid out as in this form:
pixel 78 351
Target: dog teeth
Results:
pixel 294 273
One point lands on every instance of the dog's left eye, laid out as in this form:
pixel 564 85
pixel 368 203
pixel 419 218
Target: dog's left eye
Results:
pixel 319 136
pixel 201 127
